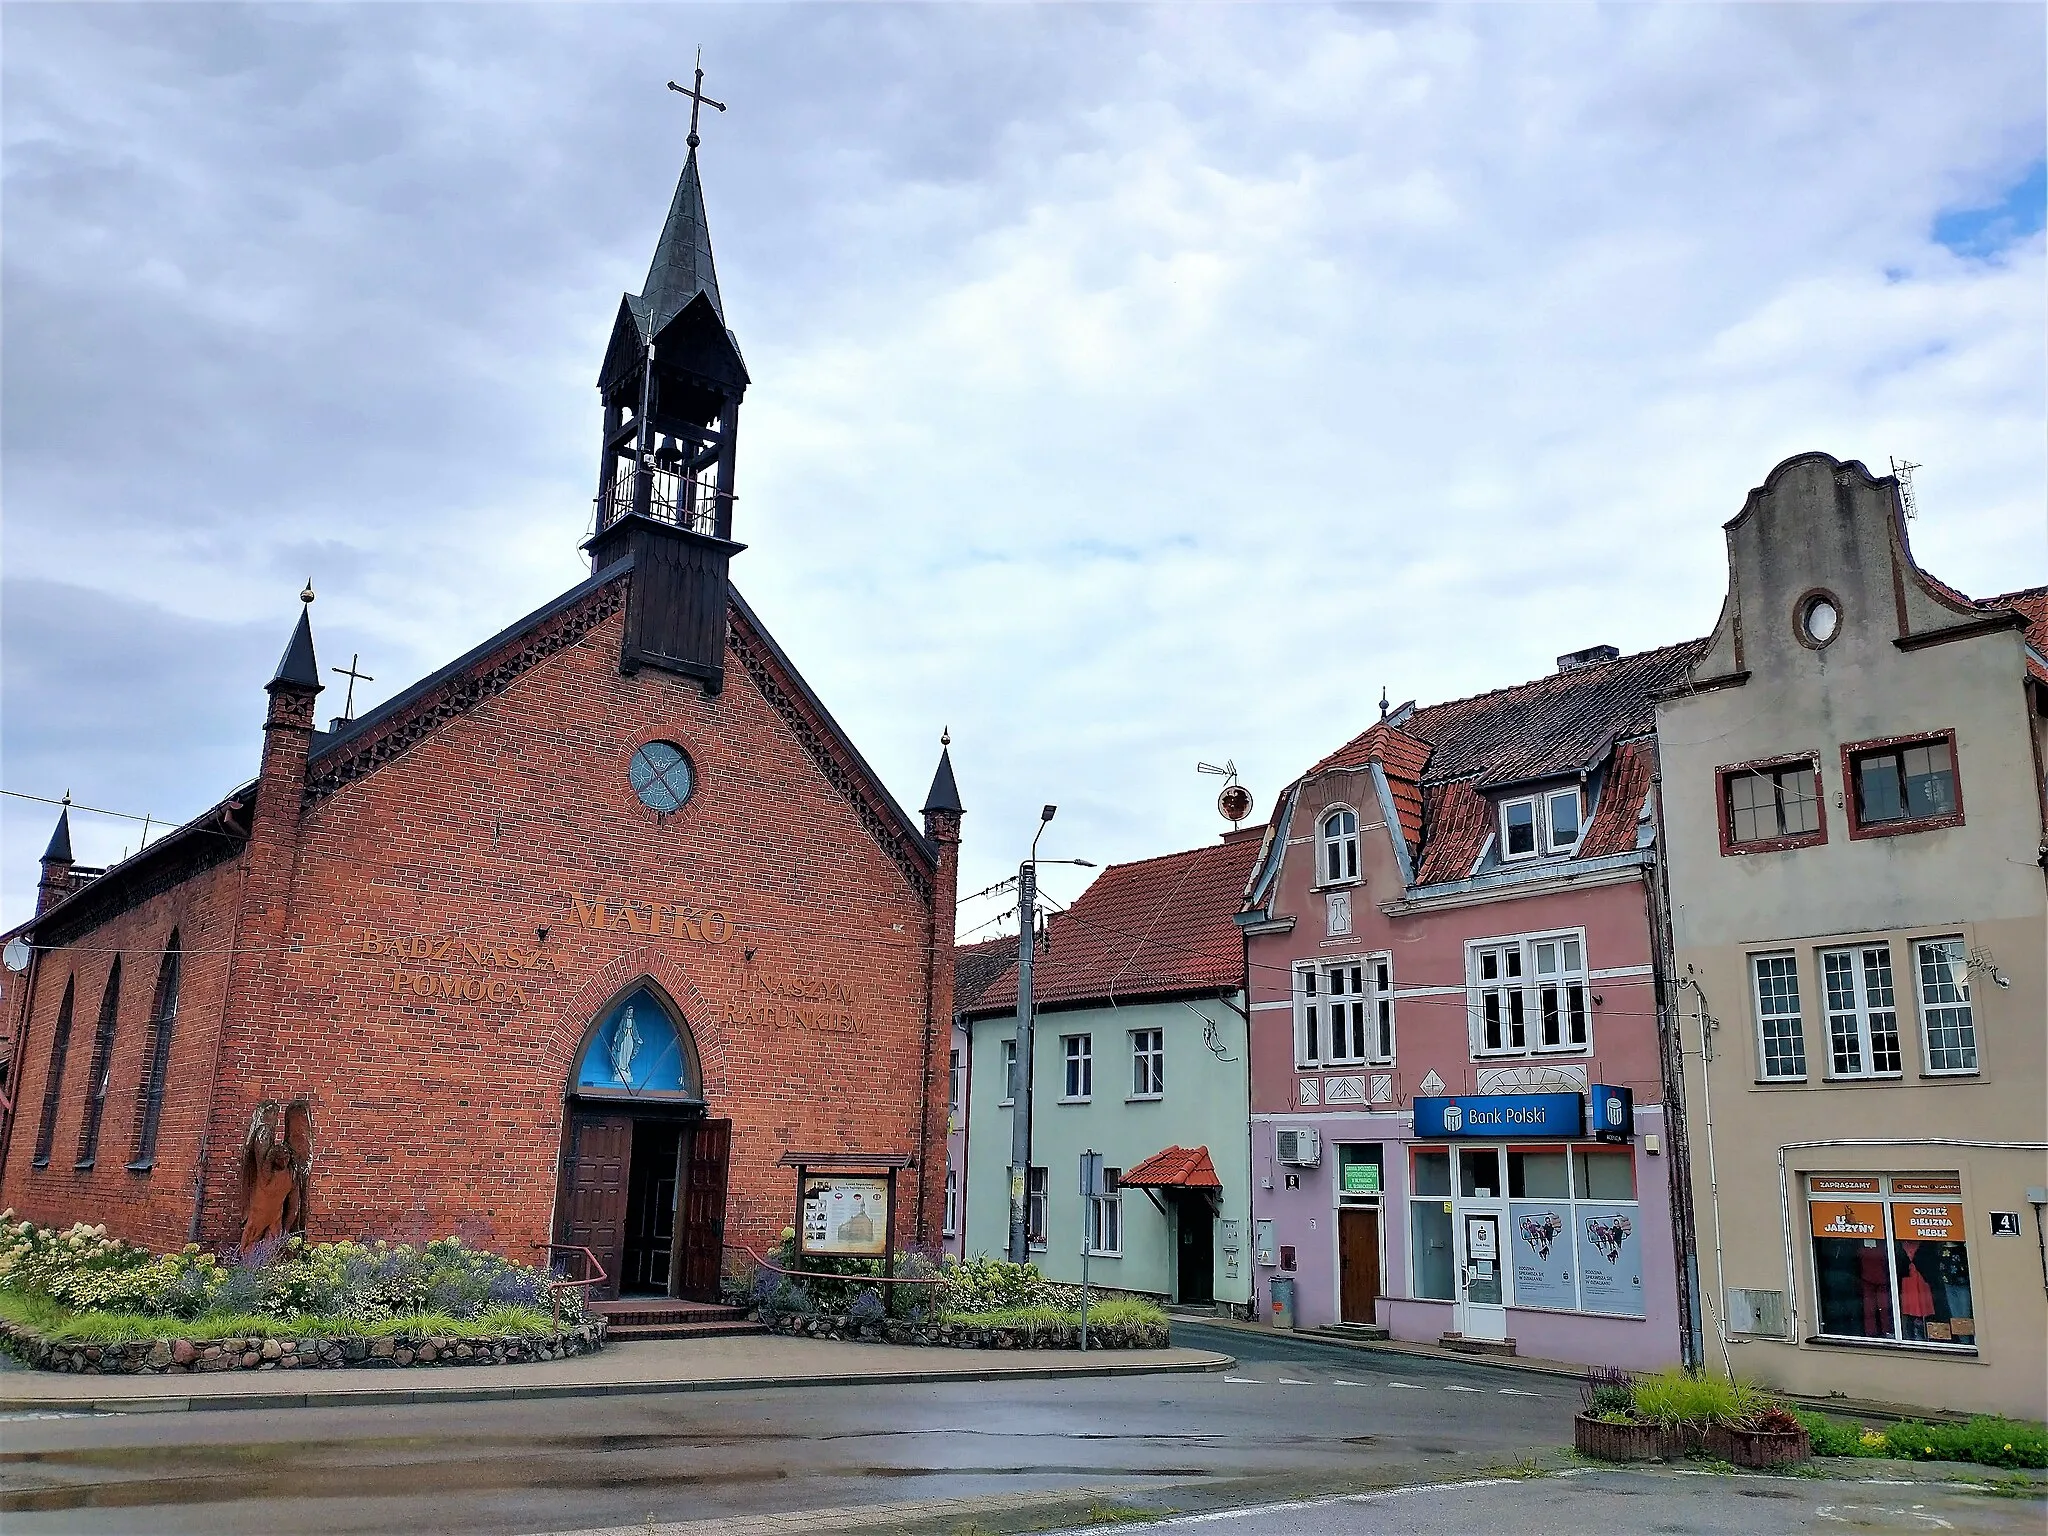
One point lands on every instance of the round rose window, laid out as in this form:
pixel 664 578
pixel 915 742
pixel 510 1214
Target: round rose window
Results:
pixel 661 776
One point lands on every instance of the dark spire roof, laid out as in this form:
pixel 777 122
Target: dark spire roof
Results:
pixel 945 794
pixel 682 261
pixel 297 666
pixel 59 851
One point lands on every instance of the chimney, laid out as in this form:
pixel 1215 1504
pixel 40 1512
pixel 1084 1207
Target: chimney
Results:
pixel 1591 656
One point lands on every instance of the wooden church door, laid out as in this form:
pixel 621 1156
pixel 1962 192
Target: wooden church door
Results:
pixel 594 1200
pixel 700 1252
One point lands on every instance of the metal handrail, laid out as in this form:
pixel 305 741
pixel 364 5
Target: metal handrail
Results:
pixel 558 1283
pixel 816 1274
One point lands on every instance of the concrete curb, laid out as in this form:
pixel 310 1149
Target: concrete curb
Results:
pixel 379 1397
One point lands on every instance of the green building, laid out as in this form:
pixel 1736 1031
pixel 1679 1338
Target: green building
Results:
pixel 1140 1055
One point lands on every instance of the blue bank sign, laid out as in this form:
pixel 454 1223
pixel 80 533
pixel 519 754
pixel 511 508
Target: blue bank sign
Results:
pixel 1500 1116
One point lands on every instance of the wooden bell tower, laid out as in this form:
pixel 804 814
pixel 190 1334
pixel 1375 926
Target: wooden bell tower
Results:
pixel 671 387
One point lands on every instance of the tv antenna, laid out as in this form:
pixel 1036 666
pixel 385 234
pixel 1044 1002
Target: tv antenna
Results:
pixel 1902 470
pixel 1235 801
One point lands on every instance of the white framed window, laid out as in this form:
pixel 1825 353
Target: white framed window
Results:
pixel 952 1227
pixel 1106 1217
pixel 1339 846
pixel 1148 1063
pixel 956 1083
pixel 1781 1031
pixel 1080 1063
pixel 1009 1072
pixel 1518 833
pixel 1948 1029
pixel 1343 1012
pixel 1863 1013
pixel 1036 1188
pixel 1529 995
pixel 1561 819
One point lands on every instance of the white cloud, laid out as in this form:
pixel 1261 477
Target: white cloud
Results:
pixel 1131 386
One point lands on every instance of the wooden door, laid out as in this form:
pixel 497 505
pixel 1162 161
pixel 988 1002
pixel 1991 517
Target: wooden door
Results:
pixel 701 1252
pixel 594 1192
pixel 1358 1259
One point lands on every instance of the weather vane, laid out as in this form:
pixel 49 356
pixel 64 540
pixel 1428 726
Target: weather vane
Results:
pixel 697 98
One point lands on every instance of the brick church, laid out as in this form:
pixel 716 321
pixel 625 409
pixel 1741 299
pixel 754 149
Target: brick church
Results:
pixel 575 941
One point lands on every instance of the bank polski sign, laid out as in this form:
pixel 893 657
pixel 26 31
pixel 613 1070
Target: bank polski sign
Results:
pixel 1501 1116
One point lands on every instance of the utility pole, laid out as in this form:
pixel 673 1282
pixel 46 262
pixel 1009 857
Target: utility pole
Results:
pixel 1020 1093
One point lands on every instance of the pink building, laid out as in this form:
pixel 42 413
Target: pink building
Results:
pixel 1458 1127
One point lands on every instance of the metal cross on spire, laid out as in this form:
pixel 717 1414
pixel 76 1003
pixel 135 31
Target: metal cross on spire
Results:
pixel 354 673
pixel 697 98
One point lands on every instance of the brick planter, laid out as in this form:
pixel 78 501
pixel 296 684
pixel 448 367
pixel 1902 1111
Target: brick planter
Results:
pixel 1630 1442
pixel 968 1335
pixel 179 1357
pixel 1759 1447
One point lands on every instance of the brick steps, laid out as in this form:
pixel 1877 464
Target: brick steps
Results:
pixel 1370 1333
pixel 663 1317
pixel 637 1332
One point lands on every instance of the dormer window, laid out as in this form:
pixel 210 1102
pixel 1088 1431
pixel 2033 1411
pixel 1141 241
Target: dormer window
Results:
pixel 1561 812
pixel 1533 825
pixel 1518 829
pixel 1340 847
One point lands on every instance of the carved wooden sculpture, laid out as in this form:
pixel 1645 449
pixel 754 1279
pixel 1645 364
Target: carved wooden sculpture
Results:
pixel 277 1160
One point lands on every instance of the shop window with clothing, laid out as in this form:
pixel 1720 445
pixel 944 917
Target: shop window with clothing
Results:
pixel 1890 1258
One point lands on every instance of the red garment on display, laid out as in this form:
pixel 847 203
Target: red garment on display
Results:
pixel 1916 1299
pixel 1877 1292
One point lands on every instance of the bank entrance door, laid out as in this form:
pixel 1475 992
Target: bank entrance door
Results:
pixel 1481 1244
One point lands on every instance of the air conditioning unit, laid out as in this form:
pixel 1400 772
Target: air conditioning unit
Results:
pixel 1301 1148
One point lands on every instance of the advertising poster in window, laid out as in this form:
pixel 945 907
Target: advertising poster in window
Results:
pixel 1541 1236
pixel 1610 1260
pixel 845 1218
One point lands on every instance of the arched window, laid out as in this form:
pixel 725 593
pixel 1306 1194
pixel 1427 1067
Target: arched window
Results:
pixel 60 1047
pixel 638 1050
pixel 102 1069
pixel 156 1066
pixel 1340 846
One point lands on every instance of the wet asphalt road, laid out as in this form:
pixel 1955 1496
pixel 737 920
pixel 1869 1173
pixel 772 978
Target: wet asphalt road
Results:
pixel 1291 1419
pixel 1631 1502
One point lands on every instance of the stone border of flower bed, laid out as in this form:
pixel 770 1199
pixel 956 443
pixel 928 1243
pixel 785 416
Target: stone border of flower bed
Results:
pixel 961 1335
pixel 179 1357
pixel 1756 1449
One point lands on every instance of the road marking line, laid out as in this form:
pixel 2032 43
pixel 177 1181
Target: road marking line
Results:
pixel 1174 1522
pixel 1289 1381
pixel 1408 1386
pixel 1338 1381
pixel 1245 1381
pixel 1461 1389
pixel 1517 1392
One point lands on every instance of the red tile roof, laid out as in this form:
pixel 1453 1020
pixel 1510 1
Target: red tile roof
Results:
pixel 1174 1168
pixel 977 967
pixel 1460 822
pixel 1613 827
pixel 1153 928
pixel 1402 756
pixel 2032 605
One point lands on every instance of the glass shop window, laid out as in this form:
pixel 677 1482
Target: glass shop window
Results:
pixel 1539 1175
pixel 1432 1174
pixel 1890 1258
pixel 1604 1175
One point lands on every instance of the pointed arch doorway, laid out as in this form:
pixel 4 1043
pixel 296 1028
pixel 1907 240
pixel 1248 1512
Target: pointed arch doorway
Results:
pixel 643 1167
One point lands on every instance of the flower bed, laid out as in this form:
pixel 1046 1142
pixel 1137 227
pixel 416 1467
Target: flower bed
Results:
pixel 1985 1440
pixel 181 1356
pixel 1675 1413
pixel 978 1303
pixel 79 1300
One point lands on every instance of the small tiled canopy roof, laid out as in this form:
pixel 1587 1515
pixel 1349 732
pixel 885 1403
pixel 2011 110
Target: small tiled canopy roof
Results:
pixel 1174 1168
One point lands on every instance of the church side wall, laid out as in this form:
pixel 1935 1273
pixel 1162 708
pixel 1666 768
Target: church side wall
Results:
pixel 461 916
pixel 153 1205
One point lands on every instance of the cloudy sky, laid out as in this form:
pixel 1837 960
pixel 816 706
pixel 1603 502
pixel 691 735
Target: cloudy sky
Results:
pixel 1131 386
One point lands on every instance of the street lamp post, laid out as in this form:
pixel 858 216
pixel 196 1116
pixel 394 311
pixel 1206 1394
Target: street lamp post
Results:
pixel 1020 1091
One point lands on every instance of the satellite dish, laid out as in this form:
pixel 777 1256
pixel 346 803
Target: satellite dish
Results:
pixel 16 955
pixel 1235 803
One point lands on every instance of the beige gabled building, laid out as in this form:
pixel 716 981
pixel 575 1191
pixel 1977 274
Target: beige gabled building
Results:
pixel 1854 822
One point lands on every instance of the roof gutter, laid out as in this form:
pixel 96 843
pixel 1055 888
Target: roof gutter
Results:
pixel 1511 885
